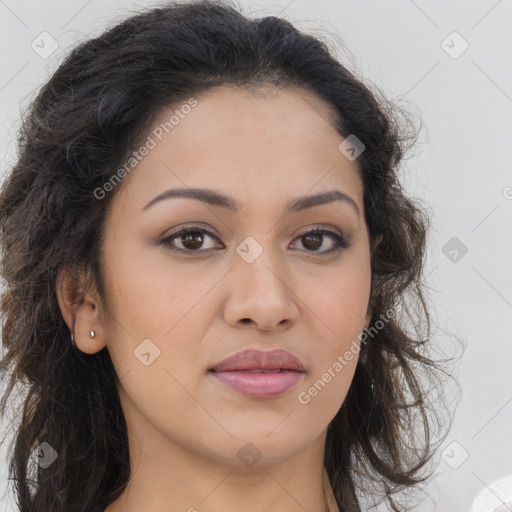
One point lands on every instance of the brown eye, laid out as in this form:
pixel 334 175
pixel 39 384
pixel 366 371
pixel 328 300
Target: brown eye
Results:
pixel 313 240
pixel 189 240
pixel 192 240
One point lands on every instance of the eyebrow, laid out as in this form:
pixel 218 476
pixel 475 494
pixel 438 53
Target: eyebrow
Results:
pixel 215 198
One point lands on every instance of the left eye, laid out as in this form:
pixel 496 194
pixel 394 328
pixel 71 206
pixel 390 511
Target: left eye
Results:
pixel 192 239
pixel 314 238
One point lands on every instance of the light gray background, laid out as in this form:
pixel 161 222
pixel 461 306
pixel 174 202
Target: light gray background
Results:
pixel 461 168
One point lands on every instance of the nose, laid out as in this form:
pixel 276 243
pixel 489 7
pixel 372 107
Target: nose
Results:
pixel 261 296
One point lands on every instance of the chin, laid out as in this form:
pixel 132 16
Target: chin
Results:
pixel 252 448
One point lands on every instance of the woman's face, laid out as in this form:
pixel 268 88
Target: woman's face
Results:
pixel 243 278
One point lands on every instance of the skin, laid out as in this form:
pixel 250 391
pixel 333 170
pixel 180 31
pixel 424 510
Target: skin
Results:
pixel 185 428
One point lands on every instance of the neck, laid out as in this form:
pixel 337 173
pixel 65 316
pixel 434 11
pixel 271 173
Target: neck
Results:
pixel 167 476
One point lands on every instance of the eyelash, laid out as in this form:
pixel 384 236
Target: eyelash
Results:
pixel 341 242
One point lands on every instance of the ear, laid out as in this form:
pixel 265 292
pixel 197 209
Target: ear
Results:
pixel 81 310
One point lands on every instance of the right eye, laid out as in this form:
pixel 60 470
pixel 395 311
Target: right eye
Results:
pixel 191 239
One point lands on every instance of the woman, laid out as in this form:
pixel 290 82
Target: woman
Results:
pixel 206 250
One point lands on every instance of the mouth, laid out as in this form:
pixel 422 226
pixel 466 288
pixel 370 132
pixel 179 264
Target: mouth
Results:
pixel 260 383
pixel 277 370
pixel 260 361
pixel 260 374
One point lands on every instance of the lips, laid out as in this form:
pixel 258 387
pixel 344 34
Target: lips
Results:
pixel 259 361
pixel 260 374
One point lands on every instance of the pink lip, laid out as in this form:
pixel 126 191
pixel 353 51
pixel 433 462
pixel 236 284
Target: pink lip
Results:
pixel 235 371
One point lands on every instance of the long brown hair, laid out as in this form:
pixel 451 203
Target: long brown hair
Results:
pixel 80 128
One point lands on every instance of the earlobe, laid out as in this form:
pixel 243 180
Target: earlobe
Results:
pixel 80 312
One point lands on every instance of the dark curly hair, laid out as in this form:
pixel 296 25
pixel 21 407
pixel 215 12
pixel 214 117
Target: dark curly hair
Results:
pixel 93 111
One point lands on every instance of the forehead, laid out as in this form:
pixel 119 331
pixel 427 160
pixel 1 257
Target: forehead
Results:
pixel 277 117
pixel 267 144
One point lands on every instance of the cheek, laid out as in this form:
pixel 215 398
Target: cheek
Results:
pixel 337 343
pixel 148 293
pixel 339 310
pixel 338 303
pixel 166 304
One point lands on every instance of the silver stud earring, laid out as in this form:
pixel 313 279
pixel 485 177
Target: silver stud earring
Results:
pixel 93 334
